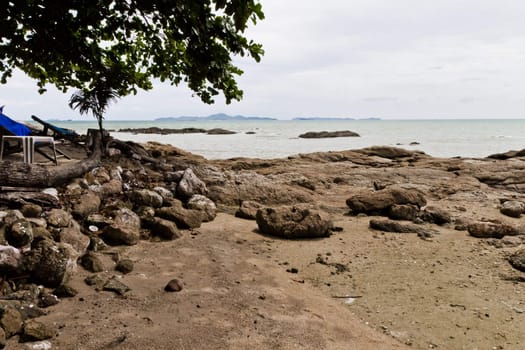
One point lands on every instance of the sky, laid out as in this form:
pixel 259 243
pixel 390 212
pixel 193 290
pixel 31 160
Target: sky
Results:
pixel 403 59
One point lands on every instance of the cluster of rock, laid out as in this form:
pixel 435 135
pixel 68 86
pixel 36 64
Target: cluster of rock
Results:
pixel 41 246
pixel 408 204
pixel 167 131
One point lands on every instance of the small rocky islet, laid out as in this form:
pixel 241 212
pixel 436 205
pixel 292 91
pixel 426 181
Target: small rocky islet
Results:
pixel 126 201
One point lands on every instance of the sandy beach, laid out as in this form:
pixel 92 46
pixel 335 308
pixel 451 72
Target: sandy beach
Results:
pixel 438 287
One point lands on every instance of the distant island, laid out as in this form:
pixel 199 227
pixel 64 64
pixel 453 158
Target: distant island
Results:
pixel 219 116
pixel 335 118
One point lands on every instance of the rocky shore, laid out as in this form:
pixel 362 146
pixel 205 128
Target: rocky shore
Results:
pixel 385 243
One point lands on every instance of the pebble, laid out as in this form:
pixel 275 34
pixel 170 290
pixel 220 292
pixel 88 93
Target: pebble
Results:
pixel 173 286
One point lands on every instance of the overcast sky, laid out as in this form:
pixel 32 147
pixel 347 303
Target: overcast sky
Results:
pixel 351 58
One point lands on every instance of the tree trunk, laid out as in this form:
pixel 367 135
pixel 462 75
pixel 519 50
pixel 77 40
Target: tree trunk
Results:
pixel 35 175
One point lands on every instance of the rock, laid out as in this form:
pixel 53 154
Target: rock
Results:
pixel 219 131
pixel 389 152
pixel 166 194
pixel 97 281
pixel 30 210
pixel 435 215
pixel 173 286
pixel 10 320
pixel 204 204
pixel 189 185
pixel 47 299
pixel 10 258
pixel 146 198
pixel 3 338
pixel 377 202
pixel 65 291
pixel 517 260
pixel 394 226
pixel 484 229
pixel 87 204
pixel 403 212
pixel 182 217
pixel 124 265
pixel 98 220
pixel 73 236
pixel 49 263
pixel 114 186
pixel 92 262
pixel 293 222
pixel 34 330
pixel 98 175
pixel 114 285
pixel 19 233
pixel 125 228
pixel 512 208
pixel 59 218
pixel 326 134
pixel 163 228
pixel 173 176
pixel 13 215
pixel 248 210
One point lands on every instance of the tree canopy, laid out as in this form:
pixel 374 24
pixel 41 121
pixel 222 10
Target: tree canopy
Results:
pixel 121 45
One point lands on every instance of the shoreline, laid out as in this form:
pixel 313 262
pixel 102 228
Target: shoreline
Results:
pixel 279 291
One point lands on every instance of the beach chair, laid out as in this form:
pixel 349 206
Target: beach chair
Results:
pixel 27 140
pixel 56 131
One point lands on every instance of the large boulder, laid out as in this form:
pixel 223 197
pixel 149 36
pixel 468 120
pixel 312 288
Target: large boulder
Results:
pixel 189 185
pixel 87 204
pixel 512 208
pixel 125 228
pixel 293 222
pixel 184 218
pixel 50 263
pixel 486 229
pixel 146 198
pixel 379 202
pixel 204 204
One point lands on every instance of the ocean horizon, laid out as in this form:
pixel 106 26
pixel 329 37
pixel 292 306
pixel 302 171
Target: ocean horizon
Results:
pixel 278 138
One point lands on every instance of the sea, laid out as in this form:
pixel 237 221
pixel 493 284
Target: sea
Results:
pixel 472 138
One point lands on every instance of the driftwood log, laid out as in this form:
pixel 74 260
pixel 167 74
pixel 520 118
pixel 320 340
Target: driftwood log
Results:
pixel 35 175
pixel 19 174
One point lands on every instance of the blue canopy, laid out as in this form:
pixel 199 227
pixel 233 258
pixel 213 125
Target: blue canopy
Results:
pixel 15 128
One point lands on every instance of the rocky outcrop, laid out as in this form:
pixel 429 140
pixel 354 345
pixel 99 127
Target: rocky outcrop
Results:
pixel 293 222
pixel 219 131
pixel 328 134
pixel 380 202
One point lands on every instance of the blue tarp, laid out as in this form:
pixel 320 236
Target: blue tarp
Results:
pixel 15 128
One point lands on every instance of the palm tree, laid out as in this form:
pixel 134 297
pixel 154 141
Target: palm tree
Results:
pixel 96 101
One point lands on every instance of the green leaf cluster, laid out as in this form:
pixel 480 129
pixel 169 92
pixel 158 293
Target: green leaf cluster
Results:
pixel 122 45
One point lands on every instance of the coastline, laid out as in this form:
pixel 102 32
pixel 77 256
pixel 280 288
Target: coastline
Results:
pixel 400 289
